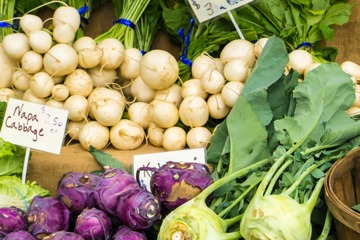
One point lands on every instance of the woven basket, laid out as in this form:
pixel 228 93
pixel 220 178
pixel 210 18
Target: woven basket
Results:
pixel 342 191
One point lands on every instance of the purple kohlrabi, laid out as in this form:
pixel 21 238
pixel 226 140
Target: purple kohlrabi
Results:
pixel 19 235
pixel 63 235
pixel 93 224
pixel 113 183
pixel 47 215
pixel 126 233
pixel 11 219
pixel 76 190
pixel 138 209
pixel 174 183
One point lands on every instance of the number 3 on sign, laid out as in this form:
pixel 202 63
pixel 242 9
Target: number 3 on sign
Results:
pixel 204 10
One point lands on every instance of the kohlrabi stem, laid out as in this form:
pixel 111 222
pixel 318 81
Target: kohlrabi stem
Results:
pixel 327 226
pixel 222 181
pixel 237 200
pixel 274 179
pixel 234 220
pixel 311 202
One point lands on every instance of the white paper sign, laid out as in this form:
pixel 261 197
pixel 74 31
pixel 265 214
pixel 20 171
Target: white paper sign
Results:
pixel 34 125
pixel 207 9
pixel 156 160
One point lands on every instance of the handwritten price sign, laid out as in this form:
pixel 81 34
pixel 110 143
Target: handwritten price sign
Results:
pixel 207 9
pixel 34 126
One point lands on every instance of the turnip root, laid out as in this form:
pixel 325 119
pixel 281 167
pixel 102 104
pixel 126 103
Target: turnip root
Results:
pixel 139 113
pixel 6 93
pixel 198 137
pixel 171 95
pixel 201 64
pixel 60 92
pixel 32 62
pixel 107 111
pixel 194 111
pixel 103 92
pixel 53 103
pixel 79 82
pixel 162 113
pixel 73 129
pixel 212 81
pixel 259 46
pixel 130 67
pixel 63 33
pixel 67 15
pixel 41 84
pixel 102 77
pixel 192 87
pixel 231 92
pixel 60 60
pixel 236 70
pixel 40 41
pixel 88 52
pixel 311 67
pixel 16 45
pixel 351 68
pixel 299 60
pixel 174 138
pixel 6 75
pixel 159 69
pixel 77 106
pixel 94 134
pixel 141 91
pixel 113 53
pixel 218 65
pixel 20 80
pixel 30 23
pixel 217 107
pixel 155 135
pixel 31 97
pixel 238 48
pixel 126 135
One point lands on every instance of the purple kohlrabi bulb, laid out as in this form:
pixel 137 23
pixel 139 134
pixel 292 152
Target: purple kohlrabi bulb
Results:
pixel 174 183
pixel 11 219
pixel 114 182
pixel 125 233
pixel 93 224
pixel 138 209
pixel 76 190
pixel 19 235
pixel 63 235
pixel 47 215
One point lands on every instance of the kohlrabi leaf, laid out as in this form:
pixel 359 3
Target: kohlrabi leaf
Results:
pixel 105 159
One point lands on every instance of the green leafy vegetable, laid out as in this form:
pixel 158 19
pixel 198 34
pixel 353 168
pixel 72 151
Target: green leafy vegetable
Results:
pixel 11 158
pixel 14 193
pixel 105 160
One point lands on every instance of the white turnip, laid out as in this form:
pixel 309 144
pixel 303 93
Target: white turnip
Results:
pixel 198 137
pixel 202 63
pixel 192 87
pixel 126 135
pixel 40 41
pixel 16 45
pixel 159 69
pixel 60 92
pixel 139 113
pixel 162 113
pixel 30 23
pixel 53 103
pixel 155 135
pixel 217 107
pixel 79 82
pixel 60 60
pixel 107 111
pixel 6 93
pixel 174 138
pixel 113 53
pixel 212 81
pixel 88 52
pixel 77 106
pixel 31 97
pixel 236 70
pixel 194 111
pixel 259 46
pixel 231 92
pixel 102 77
pixel 299 60
pixel 41 84
pixel 21 80
pixel 171 94
pixel 94 134
pixel 351 68
pixel 68 15
pixel 73 129
pixel 141 91
pixel 238 48
pixel 32 62
pixel 63 33
pixel 130 67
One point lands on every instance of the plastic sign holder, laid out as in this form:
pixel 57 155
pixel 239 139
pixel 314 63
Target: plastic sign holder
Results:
pixel 204 10
pixel 156 160
pixel 33 125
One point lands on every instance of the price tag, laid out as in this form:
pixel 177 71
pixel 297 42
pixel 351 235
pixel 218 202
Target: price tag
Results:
pixel 155 160
pixel 207 9
pixel 34 125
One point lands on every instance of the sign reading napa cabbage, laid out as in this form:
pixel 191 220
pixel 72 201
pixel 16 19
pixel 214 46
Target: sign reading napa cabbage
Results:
pixel 271 154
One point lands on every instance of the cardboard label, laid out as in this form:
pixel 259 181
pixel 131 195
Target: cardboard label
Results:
pixel 156 160
pixel 205 10
pixel 34 125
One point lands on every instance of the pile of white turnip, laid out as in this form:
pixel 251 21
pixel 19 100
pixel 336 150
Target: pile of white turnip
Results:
pixel 122 97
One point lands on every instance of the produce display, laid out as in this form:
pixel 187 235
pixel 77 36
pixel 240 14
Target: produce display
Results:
pixel 273 110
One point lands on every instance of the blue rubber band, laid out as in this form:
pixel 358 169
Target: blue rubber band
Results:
pixel 83 9
pixel 5 25
pixel 186 42
pixel 126 22
pixel 304 44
